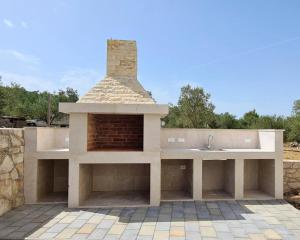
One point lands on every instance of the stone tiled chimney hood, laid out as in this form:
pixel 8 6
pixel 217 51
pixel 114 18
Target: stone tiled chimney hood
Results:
pixel 119 92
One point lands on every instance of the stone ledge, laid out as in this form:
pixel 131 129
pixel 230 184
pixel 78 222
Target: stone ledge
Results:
pixel 290 160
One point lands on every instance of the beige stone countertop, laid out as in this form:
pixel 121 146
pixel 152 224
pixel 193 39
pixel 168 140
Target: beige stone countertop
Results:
pixel 206 154
pixel 57 153
pixel 55 150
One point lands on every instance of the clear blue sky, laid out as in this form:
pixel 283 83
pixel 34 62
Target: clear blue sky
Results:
pixel 246 54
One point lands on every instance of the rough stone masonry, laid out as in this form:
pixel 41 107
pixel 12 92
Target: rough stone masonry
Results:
pixel 291 175
pixel 11 169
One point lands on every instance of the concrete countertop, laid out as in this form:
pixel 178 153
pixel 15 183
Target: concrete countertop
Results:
pixel 194 153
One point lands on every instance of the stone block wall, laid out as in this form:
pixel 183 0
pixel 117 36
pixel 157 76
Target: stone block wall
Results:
pixel 11 168
pixel 291 175
pixel 121 58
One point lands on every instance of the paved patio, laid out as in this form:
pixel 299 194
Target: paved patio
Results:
pixel 176 220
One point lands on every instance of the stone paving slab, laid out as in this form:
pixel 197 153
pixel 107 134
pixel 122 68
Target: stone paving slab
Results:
pixel 172 220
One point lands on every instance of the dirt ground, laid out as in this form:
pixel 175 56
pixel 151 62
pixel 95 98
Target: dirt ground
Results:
pixel 291 153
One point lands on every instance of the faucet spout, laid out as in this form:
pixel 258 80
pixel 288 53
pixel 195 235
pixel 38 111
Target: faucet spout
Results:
pixel 210 140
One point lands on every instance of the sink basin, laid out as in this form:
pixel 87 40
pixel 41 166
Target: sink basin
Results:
pixel 211 149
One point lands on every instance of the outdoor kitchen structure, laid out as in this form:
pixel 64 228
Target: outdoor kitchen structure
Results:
pixel 115 152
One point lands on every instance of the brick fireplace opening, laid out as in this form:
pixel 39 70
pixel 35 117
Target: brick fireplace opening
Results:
pixel 115 132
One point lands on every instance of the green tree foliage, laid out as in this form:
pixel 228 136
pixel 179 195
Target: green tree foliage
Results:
pixel 194 109
pixel 250 119
pixel 293 128
pixel 17 101
pixel 296 107
pixel 226 121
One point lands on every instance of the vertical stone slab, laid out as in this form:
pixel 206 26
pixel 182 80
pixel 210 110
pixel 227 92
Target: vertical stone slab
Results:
pixel 155 182
pixel 197 179
pixel 239 179
pixel 78 133
pixel 278 178
pixel 30 137
pixel 279 164
pixel 151 133
pixel 74 183
pixel 30 165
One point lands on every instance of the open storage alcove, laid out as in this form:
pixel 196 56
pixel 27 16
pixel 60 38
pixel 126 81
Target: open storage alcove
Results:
pixel 176 179
pixel 218 179
pixel 115 132
pixel 259 178
pixel 114 184
pixel 53 176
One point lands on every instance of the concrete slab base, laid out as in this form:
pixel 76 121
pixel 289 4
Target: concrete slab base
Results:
pixel 176 195
pixel 117 198
pixel 55 197
pixel 216 194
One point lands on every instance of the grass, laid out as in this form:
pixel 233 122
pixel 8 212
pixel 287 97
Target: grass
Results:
pixel 291 153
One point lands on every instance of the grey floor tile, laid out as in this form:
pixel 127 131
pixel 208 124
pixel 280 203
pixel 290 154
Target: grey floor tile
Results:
pixel 57 228
pixel 98 234
pixel 106 223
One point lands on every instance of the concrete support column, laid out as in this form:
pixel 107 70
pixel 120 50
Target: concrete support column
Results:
pixel 30 178
pixel 278 161
pixel 239 179
pixel 155 182
pixel 74 183
pixel 78 132
pixel 278 178
pixel 197 179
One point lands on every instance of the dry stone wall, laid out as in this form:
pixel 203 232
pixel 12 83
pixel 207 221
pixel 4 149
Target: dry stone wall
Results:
pixel 291 175
pixel 11 168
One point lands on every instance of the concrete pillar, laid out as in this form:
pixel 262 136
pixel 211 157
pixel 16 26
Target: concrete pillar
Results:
pixel 155 182
pixel 197 179
pixel 78 132
pixel 151 133
pixel 30 178
pixel 239 179
pixel 278 161
pixel 74 182
pixel 30 138
pixel 278 178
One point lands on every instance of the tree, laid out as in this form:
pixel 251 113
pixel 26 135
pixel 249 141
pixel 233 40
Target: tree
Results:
pixel 296 107
pixel 270 122
pixel 172 120
pixel 194 109
pixel 70 95
pixel 250 119
pixel 19 102
pixel 293 128
pixel 227 121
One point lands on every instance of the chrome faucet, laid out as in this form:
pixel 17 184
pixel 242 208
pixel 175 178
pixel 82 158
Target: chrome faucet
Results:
pixel 210 139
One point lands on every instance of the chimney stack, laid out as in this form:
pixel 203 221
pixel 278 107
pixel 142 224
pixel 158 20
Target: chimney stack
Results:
pixel 121 59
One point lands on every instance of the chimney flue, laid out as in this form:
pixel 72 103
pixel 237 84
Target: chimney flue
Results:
pixel 121 58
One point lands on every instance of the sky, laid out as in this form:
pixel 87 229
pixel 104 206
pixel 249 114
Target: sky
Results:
pixel 246 54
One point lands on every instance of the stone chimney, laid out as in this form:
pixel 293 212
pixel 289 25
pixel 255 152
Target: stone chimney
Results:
pixel 121 58
pixel 120 85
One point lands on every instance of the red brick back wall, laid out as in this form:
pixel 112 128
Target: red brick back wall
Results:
pixel 115 132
